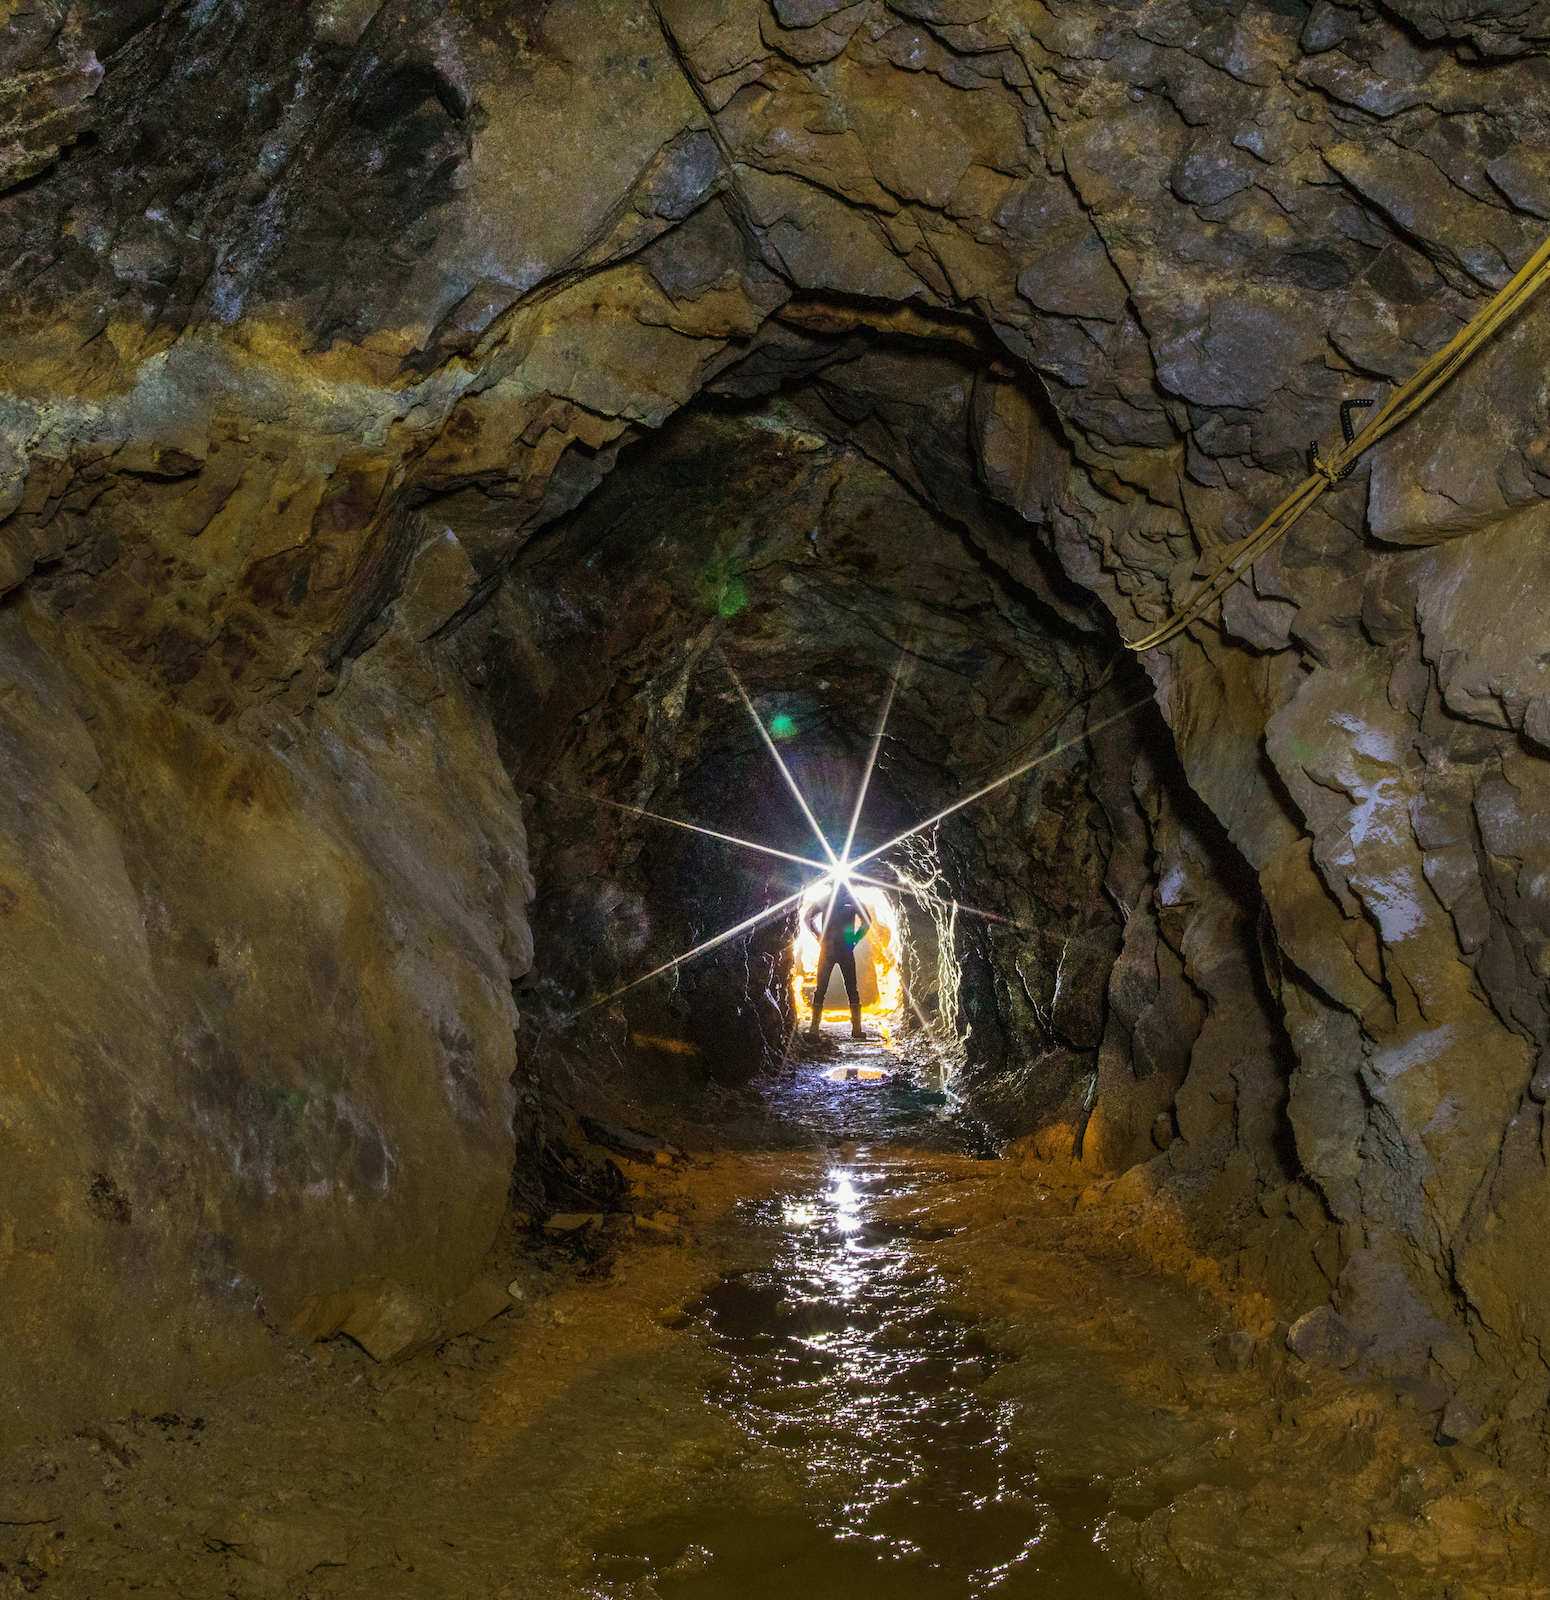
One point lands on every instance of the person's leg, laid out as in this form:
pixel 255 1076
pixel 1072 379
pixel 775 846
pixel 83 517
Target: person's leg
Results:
pixel 825 968
pixel 847 965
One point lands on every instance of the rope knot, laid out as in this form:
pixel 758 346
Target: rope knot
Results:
pixel 1331 475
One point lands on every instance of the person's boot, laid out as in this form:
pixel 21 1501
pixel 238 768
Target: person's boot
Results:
pixel 855 1023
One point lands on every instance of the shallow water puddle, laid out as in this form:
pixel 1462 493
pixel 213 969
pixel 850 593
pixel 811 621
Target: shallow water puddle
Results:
pixel 844 1074
pixel 851 1379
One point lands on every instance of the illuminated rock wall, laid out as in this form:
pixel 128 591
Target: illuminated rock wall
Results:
pixel 317 314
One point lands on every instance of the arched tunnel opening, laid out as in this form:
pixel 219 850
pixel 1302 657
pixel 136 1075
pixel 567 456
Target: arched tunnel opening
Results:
pixel 773 813
pixel 890 974
pixel 793 627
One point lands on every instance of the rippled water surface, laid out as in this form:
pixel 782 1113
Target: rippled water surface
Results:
pixel 817 1097
pixel 849 1375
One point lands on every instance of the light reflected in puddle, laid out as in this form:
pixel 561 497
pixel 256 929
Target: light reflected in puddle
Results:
pixel 844 1074
pixel 845 1202
pixel 880 1470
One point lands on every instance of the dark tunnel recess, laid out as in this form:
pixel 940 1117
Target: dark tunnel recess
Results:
pixel 818 540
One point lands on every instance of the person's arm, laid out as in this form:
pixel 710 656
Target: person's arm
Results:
pixel 811 919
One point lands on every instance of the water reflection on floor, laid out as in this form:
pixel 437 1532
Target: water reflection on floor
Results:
pixel 848 1373
pixel 908 1103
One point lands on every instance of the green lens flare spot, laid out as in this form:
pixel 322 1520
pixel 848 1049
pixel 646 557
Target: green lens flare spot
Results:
pixel 732 598
pixel 782 726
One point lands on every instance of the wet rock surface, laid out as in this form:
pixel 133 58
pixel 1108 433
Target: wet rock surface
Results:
pixel 323 324
pixel 952 1358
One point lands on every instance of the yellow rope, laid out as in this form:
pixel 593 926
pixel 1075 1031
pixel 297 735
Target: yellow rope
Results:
pixel 1431 376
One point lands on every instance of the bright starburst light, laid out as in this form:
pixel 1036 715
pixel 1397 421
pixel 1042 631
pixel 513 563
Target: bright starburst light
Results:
pixel 837 869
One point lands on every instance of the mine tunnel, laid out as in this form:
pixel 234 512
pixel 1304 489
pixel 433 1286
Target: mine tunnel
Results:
pixel 774 813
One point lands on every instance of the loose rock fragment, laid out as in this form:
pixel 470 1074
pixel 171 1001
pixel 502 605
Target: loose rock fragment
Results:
pixel 1322 1339
pixel 571 1222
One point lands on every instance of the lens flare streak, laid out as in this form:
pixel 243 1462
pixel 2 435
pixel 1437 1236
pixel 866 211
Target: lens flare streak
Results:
pixel 957 905
pixel 747 925
pixel 840 869
pixel 871 763
pixel 1001 782
pixel 785 771
pixel 710 833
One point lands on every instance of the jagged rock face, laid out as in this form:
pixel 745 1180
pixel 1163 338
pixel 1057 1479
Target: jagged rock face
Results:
pixel 318 316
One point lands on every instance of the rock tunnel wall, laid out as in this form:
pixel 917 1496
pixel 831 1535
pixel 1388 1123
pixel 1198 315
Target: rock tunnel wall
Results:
pixel 317 317
pixel 760 533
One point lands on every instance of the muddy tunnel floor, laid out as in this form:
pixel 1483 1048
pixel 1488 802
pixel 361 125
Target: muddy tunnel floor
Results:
pixel 866 1362
pixel 885 1470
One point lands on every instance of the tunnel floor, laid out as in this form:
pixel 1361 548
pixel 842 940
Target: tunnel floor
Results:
pixel 876 1365
pixel 886 1468
pixel 811 1098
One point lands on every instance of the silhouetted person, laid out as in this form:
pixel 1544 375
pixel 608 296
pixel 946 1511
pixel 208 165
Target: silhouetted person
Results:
pixel 837 940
